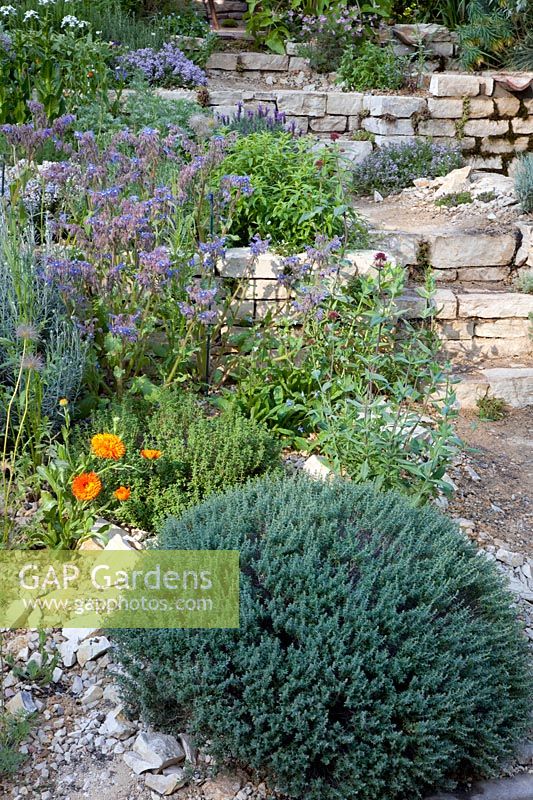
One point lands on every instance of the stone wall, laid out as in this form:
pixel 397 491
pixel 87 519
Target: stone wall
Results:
pixel 475 325
pixel 492 123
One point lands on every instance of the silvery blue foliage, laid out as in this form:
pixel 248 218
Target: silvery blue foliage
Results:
pixel 28 302
pixel 524 181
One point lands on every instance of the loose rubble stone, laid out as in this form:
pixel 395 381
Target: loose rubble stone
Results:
pixel 117 725
pixel 22 702
pixel 315 468
pixel 91 649
pixel 92 695
pixel 164 784
pixel 160 749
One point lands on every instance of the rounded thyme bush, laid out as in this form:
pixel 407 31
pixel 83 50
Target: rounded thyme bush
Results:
pixel 378 656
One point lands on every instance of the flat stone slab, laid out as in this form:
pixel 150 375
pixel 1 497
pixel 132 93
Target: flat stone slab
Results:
pixel 513 384
pixel 519 787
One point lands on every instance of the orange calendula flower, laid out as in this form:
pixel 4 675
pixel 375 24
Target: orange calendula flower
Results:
pixel 122 493
pixel 151 455
pixel 107 445
pixel 86 486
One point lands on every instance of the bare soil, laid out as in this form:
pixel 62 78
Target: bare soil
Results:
pixel 500 501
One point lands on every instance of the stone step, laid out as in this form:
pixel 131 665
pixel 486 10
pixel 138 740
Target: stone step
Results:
pixel 457 254
pixel 512 384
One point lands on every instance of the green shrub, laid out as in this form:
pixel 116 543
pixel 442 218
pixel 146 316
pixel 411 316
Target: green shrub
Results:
pixel 392 168
pixel 491 409
pixel 524 282
pixel 201 453
pixel 14 729
pixel 524 182
pixel 371 67
pixel 142 108
pixel 455 199
pixel 377 656
pixel 297 192
pixel 486 35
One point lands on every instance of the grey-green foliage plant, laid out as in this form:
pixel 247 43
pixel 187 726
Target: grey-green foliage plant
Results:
pixel 394 167
pixel 352 380
pixel 371 66
pixel 39 670
pixel 34 324
pixel 142 108
pixel 297 192
pixel 524 282
pixel 202 453
pixel 378 655
pixel 14 729
pixel 524 181
pixel 394 424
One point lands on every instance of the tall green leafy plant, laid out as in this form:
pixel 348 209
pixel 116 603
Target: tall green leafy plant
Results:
pixel 61 69
pixel 298 192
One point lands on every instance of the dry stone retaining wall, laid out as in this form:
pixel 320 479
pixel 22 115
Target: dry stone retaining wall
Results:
pixel 476 326
pixel 492 124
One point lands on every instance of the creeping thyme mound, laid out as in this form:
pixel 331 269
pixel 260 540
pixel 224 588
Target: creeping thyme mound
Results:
pixel 394 167
pixel 377 657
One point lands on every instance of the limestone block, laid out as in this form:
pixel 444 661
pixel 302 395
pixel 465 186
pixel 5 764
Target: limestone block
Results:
pixel 225 97
pixel 297 64
pixel 446 303
pixel 448 108
pixel 484 274
pixel 445 275
pixel 472 249
pixel 302 123
pixel 354 123
pixel 467 143
pixel 349 103
pixel 444 84
pixel 480 107
pixel 495 305
pixel 403 246
pixel 225 111
pixel 491 162
pixel 503 328
pixel 525 251
pixel 261 289
pixel 225 61
pixel 302 103
pixel 478 349
pixel 385 141
pixel 338 124
pixel 456 329
pixel 401 106
pixel 514 385
pixel 507 106
pixel 446 49
pixel 292 48
pixel 436 127
pixel 486 127
pixel 491 145
pixel 397 127
pixel 265 62
pixel 523 125
pixel 354 151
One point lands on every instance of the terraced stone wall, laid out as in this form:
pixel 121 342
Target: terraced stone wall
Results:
pixel 492 122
